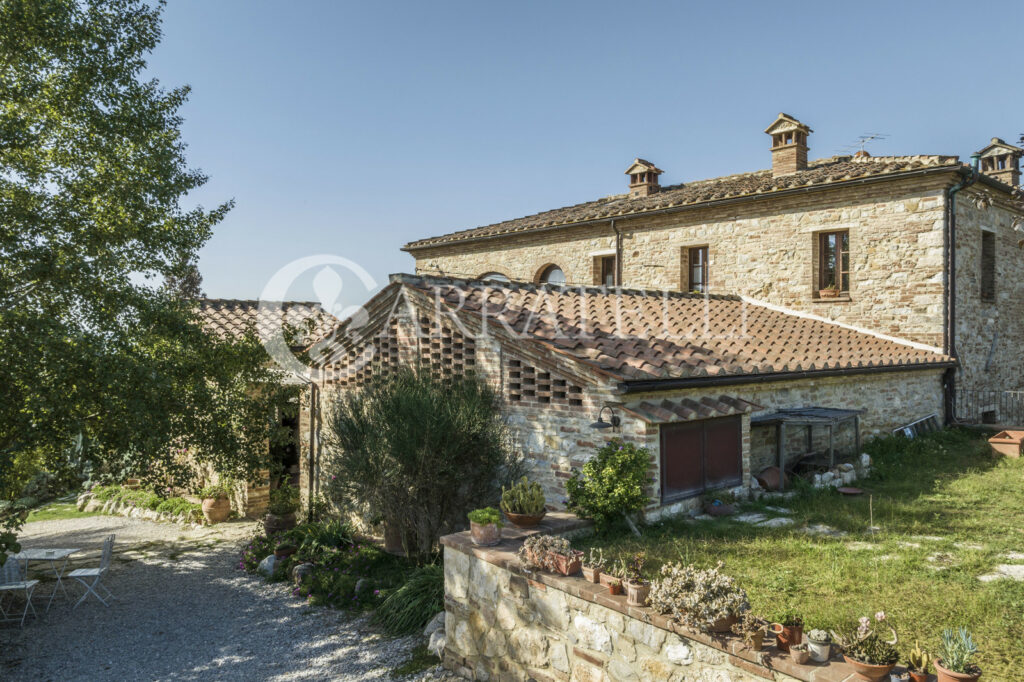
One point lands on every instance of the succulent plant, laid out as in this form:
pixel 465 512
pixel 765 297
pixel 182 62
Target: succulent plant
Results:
pixel 485 516
pixel 595 559
pixel 697 597
pixel 819 636
pixel 537 550
pixel 524 497
pixel 956 649
pixel 917 659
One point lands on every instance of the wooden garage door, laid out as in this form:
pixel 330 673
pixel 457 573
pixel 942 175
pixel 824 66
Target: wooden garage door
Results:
pixel 699 455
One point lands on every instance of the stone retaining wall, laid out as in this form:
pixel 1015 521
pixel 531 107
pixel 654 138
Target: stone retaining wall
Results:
pixel 506 623
pixel 86 503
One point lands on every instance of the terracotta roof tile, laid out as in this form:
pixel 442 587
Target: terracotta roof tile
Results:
pixel 821 172
pixel 231 317
pixel 638 335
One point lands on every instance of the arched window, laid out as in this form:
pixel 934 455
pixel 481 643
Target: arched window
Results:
pixel 495 277
pixel 552 274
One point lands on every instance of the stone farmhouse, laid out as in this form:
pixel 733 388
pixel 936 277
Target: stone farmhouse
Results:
pixel 842 297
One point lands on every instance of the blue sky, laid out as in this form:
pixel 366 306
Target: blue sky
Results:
pixel 352 128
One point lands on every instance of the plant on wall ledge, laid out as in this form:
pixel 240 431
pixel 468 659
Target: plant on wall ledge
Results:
pixel 612 484
pixel 704 599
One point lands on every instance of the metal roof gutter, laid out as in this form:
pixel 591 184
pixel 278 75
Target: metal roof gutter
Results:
pixel 794 191
pixel 738 379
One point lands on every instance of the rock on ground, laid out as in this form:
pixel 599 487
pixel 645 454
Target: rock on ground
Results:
pixel 184 611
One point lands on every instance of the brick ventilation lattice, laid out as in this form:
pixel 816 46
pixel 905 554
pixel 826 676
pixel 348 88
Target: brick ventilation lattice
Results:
pixel 444 350
pixel 527 384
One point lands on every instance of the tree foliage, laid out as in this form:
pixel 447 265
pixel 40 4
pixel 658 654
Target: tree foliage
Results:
pixel 92 178
pixel 419 452
pixel 611 484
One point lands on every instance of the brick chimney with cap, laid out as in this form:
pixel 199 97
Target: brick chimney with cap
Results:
pixel 789 145
pixel 643 178
pixel 1001 161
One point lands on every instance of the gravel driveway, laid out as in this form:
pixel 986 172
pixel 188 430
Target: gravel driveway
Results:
pixel 184 612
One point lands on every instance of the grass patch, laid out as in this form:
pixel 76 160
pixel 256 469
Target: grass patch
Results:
pixel 57 511
pixel 419 660
pixel 945 486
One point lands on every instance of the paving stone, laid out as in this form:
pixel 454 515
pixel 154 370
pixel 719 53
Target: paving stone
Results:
pixel 972 546
pixel 1014 556
pixel 704 517
pixel 928 538
pixel 1004 572
pixel 750 517
pixel 779 510
pixel 777 522
pixel 858 546
pixel 822 529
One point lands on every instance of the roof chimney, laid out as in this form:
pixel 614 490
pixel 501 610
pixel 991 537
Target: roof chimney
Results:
pixel 1001 161
pixel 643 178
pixel 789 145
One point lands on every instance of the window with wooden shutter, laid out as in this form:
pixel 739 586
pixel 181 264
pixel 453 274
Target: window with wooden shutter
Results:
pixel 700 455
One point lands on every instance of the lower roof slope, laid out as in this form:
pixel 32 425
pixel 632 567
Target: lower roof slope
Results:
pixel 641 336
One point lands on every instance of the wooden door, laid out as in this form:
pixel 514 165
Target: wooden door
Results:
pixel 699 455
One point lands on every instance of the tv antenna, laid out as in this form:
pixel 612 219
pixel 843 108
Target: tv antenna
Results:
pixel 864 140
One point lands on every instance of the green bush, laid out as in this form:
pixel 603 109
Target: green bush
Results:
pixel 106 492
pixel 284 500
pixel 178 506
pixel 611 484
pixel 409 608
pixel 214 492
pixel 419 452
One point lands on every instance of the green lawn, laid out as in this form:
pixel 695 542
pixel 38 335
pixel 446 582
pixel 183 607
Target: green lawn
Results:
pixel 948 487
pixel 57 510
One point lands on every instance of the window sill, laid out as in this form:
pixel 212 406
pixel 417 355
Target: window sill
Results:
pixel 837 299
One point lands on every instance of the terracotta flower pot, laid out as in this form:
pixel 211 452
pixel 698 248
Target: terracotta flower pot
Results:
pixel 787 635
pixel 636 593
pixel 276 524
pixel 756 640
pixel 216 509
pixel 724 624
pixel 799 654
pixel 613 584
pixel 945 675
pixel 918 676
pixel 828 293
pixel 524 520
pixel 285 551
pixel 719 509
pixel 592 575
pixel 485 534
pixel 568 564
pixel 871 673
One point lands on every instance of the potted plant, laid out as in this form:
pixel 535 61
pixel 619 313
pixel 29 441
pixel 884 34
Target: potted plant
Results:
pixel 551 553
pixel 485 526
pixel 281 514
pixel 752 629
pixel 871 656
pixel 917 664
pixel 703 599
pixel 594 565
pixel 719 504
pixel 799 653
pixel 637 589
pixel 612 577
pixel 216 503
pixel 956 651
pixel 523 504
pixel 788 631
pixel 819 644
pixel 830 291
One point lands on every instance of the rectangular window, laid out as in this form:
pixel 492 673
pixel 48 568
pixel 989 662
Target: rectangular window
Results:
pixel 834 261
pixel 698 269
pixel 604 269
pixel 988 265
pixel 700 455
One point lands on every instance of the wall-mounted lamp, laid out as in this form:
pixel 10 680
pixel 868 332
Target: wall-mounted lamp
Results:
pixel 601 423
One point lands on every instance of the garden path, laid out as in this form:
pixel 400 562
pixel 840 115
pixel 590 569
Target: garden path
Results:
pixel 184 612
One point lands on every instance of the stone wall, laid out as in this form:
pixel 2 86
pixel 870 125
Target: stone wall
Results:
pixel 989 331
pixel 505 623
pixel 765 249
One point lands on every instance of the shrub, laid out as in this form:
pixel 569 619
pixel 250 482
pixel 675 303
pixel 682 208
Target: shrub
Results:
pixel 485 516
pixel 523 498
pixel 179 506
pixel 410 607
pixel 611 484
pixel 106 492
pixel 258 549
pixel 284 500
pixel 418 452
pixel 697 598
pixel 538 550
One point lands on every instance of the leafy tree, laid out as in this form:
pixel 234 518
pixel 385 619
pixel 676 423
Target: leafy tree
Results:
pixel 612 484
pixel 92 176
pixel 188 283
pixel 419 452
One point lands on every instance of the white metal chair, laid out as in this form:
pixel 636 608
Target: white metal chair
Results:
pixel 12 580
pixel 91 577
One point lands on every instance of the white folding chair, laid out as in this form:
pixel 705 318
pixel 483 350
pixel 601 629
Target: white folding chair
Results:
pixel 12 580
pixel 91 577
